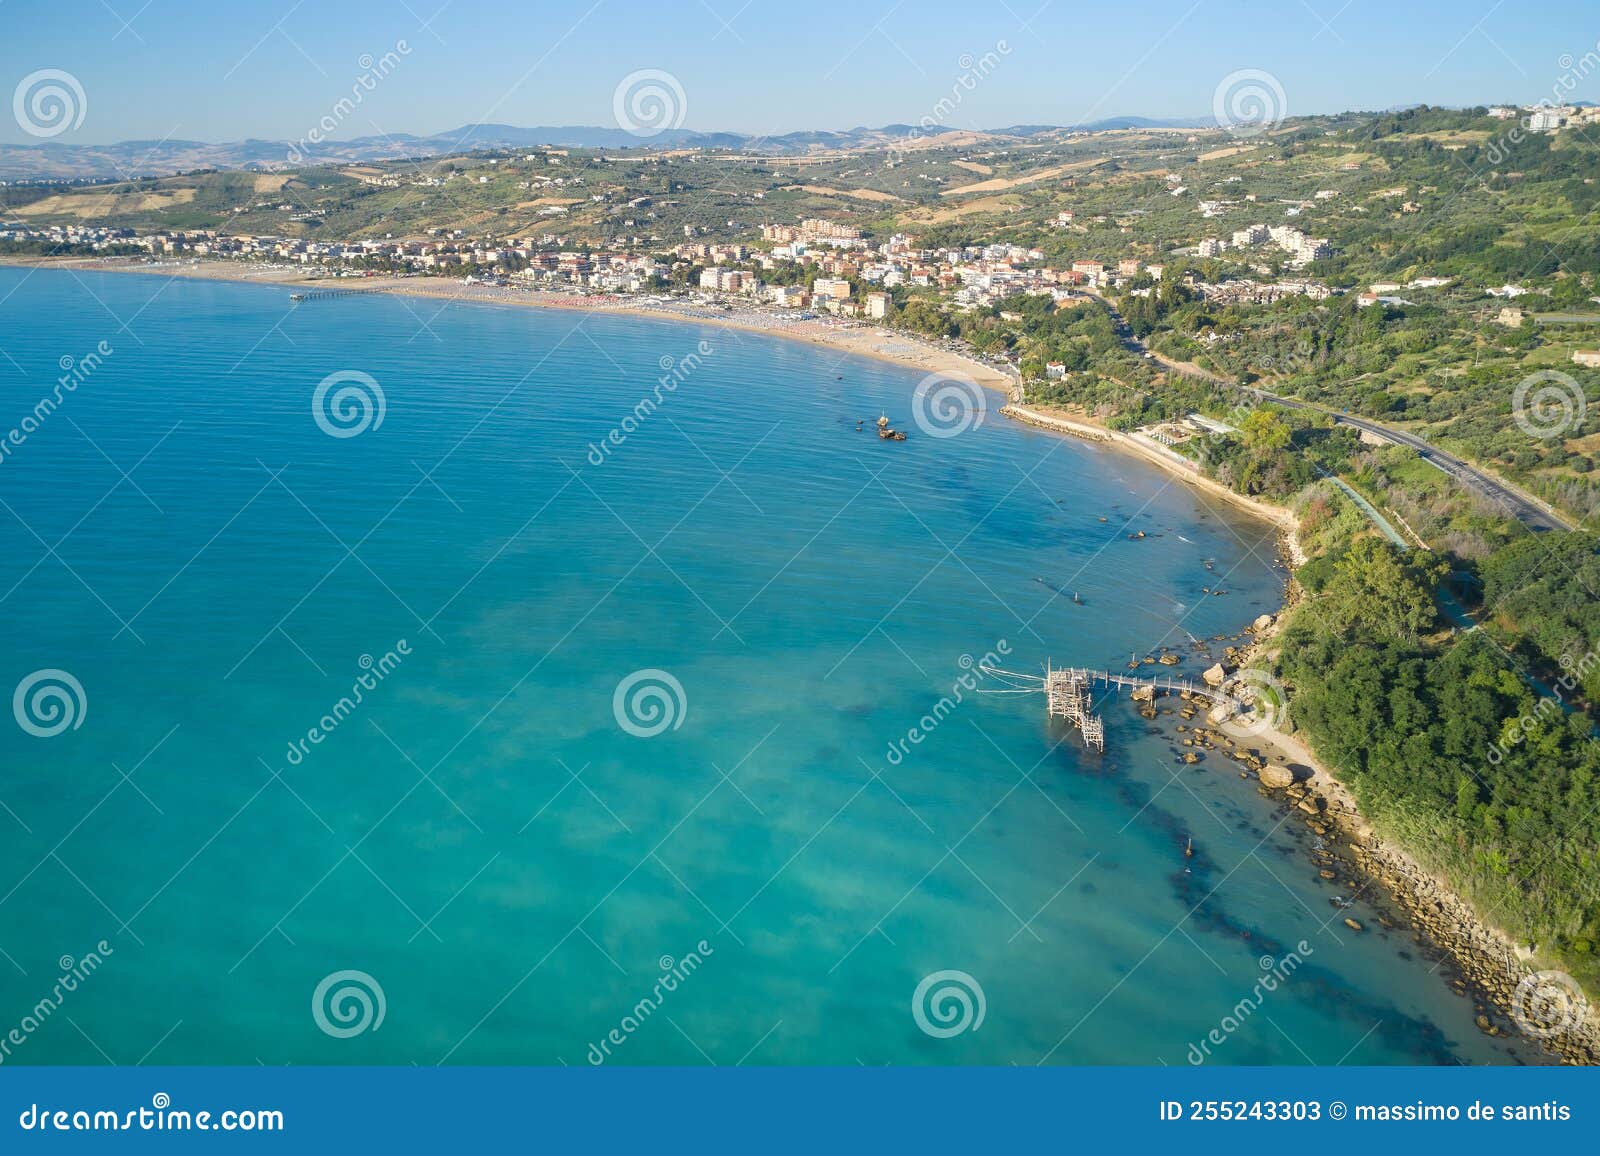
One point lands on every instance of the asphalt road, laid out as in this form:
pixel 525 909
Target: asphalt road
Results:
pixel 1513 501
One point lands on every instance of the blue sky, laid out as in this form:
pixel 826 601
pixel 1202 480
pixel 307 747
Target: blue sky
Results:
pixel 230 69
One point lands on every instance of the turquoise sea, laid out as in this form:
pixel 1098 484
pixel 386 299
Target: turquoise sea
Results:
pixel 491 836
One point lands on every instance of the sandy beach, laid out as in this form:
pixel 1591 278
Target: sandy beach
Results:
pixel 853 337
pixel 860 339
pixel 1175 464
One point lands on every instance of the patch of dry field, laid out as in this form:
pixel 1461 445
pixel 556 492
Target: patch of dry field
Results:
pixel 89 205
pixel 1000 184
pixel 1455 136
pixel 857 194
pixel 970 209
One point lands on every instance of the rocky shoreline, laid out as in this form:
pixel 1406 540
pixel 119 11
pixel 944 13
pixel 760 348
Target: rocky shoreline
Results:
pixel 1479 961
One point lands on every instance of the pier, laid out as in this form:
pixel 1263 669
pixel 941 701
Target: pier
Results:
pixel 1068 693
pixel 324 294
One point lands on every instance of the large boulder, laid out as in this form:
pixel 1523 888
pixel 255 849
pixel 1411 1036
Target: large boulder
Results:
pixel 1262 623
pixel 1275 776
pixel 1215 675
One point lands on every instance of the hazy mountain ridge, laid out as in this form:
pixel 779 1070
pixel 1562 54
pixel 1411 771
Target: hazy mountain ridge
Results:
pixel 145 158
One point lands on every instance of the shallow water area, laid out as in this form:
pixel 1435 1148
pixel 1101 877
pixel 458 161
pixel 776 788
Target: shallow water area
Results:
pixel 630 706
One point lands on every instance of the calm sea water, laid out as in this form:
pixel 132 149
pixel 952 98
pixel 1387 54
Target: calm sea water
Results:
pixel 483 839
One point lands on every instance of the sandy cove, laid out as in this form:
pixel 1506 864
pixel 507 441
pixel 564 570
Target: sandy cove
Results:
pixel 1488 961
pixel 1175 464
pixel 861 339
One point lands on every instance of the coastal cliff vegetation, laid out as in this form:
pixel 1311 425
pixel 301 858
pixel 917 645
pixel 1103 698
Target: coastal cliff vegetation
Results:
pixel 1471 748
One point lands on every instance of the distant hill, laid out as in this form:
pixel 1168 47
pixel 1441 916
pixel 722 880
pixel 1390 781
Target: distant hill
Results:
pixel 1146 122
pixel 126 159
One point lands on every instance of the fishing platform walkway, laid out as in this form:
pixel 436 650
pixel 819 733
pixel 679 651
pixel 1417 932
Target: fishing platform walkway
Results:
pixel 1067 693
pixel 324 294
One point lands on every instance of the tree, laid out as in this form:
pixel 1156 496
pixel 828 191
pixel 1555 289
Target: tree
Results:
pixel 1378 592
pixel 1265 431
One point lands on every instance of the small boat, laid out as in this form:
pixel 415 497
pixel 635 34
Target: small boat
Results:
pixel 883 421
pixel 1188 849
pixel 297 297
pixel 1076 599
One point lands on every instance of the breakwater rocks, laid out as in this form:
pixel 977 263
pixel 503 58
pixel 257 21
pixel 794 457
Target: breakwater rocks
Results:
pixel 1511 996
pixel 1058 424
pixel 1476 960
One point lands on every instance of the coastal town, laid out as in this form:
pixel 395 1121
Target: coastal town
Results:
pixel 815 267
pixel 813 264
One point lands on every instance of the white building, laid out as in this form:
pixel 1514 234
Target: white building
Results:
pixel 1546 120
